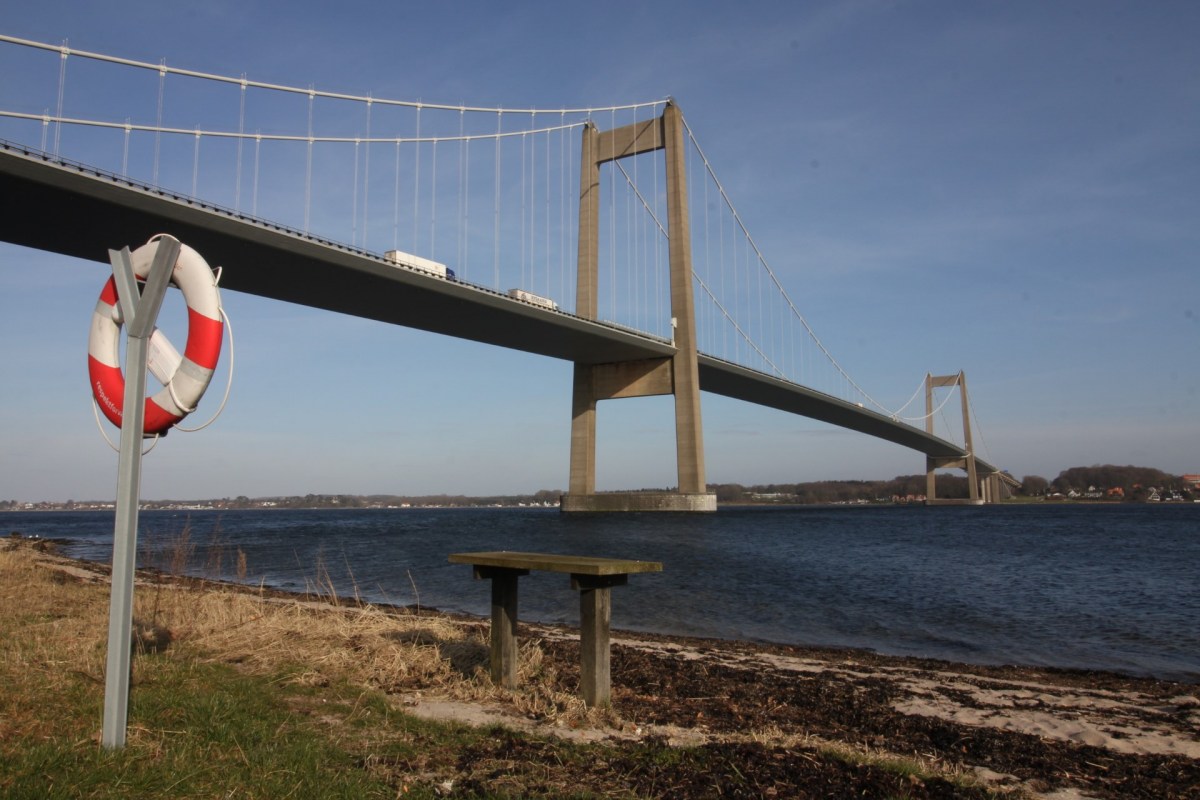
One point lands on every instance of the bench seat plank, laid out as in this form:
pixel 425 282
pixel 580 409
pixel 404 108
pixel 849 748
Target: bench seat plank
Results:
pixel 573 565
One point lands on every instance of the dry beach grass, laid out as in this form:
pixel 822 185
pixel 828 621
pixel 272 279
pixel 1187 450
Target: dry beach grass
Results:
pixel 690 718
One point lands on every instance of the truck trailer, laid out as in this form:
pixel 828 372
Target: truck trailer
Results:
pixel 416 262
pixel 530 297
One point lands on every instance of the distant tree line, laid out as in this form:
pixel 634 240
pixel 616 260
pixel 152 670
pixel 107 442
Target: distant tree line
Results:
pixel 1135 483
pixel 382 500
pixel 902 486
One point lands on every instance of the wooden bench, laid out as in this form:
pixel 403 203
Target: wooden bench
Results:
pixel 593 577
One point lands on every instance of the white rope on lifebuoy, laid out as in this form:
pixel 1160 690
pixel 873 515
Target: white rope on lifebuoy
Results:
pixel 228 383
pixel 184 387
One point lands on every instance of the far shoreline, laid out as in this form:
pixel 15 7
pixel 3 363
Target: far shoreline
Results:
pixel 153 506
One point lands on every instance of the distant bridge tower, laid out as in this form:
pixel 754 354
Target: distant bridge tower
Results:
pixel 678 374
pixel 988 490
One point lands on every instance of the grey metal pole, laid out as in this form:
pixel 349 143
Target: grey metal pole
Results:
pixel 140 314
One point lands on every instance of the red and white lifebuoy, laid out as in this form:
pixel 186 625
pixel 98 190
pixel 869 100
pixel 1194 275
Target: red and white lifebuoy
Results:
pixel 182 389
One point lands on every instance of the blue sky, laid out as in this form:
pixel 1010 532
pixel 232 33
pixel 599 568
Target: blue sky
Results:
pixel 1009 189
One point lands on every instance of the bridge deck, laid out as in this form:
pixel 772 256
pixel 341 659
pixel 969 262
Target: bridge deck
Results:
pixel 75 211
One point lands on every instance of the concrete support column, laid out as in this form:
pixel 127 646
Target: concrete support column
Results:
pixel 582 478
pixel 689 433
pixel 972 475
pixel 588 285
pixel 930 463
pixel 583 433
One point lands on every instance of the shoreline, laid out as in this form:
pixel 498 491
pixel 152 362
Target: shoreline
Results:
pixel 828 650
pixel 1040 732
pixel 90 506
pixel 84 568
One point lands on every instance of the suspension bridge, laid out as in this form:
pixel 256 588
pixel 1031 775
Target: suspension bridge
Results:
pixel 568 233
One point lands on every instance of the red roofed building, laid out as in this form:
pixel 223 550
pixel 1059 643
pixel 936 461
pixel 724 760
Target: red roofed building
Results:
pixel 1191 480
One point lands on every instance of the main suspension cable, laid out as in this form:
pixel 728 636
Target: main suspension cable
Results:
pixel 774 278
pixel 163 69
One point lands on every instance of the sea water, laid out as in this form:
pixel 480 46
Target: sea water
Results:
pixel 1114 587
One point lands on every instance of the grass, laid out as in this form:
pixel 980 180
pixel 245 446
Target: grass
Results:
pixel 236 694
pixel 233 694
pixel 193 728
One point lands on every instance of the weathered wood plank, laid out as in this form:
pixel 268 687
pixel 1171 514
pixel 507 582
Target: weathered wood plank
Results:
pixel 547 562
pixel 595 619
pixel 503 650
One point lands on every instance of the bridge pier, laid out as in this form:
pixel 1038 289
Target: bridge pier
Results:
pixel 678 375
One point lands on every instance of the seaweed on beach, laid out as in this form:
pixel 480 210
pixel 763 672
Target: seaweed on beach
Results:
pixel 691 718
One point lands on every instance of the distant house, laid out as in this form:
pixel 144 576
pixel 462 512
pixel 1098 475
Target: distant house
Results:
pixel 1191 480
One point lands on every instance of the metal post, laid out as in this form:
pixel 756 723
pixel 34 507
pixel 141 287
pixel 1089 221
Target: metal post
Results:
pixel 140 313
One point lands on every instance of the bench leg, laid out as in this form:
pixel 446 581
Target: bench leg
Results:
pixel 595 616
pixel 503 653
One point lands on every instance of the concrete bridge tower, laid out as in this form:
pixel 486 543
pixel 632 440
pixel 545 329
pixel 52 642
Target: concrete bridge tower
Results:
pixel 678 374
pixel 988 489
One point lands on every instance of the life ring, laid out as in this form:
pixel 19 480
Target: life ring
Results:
pixel 183 388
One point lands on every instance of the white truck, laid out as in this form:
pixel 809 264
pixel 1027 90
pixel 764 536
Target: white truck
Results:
pixel 530 297
pixel 416 262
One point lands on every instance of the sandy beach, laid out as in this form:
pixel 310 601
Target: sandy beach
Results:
pixel 743 719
